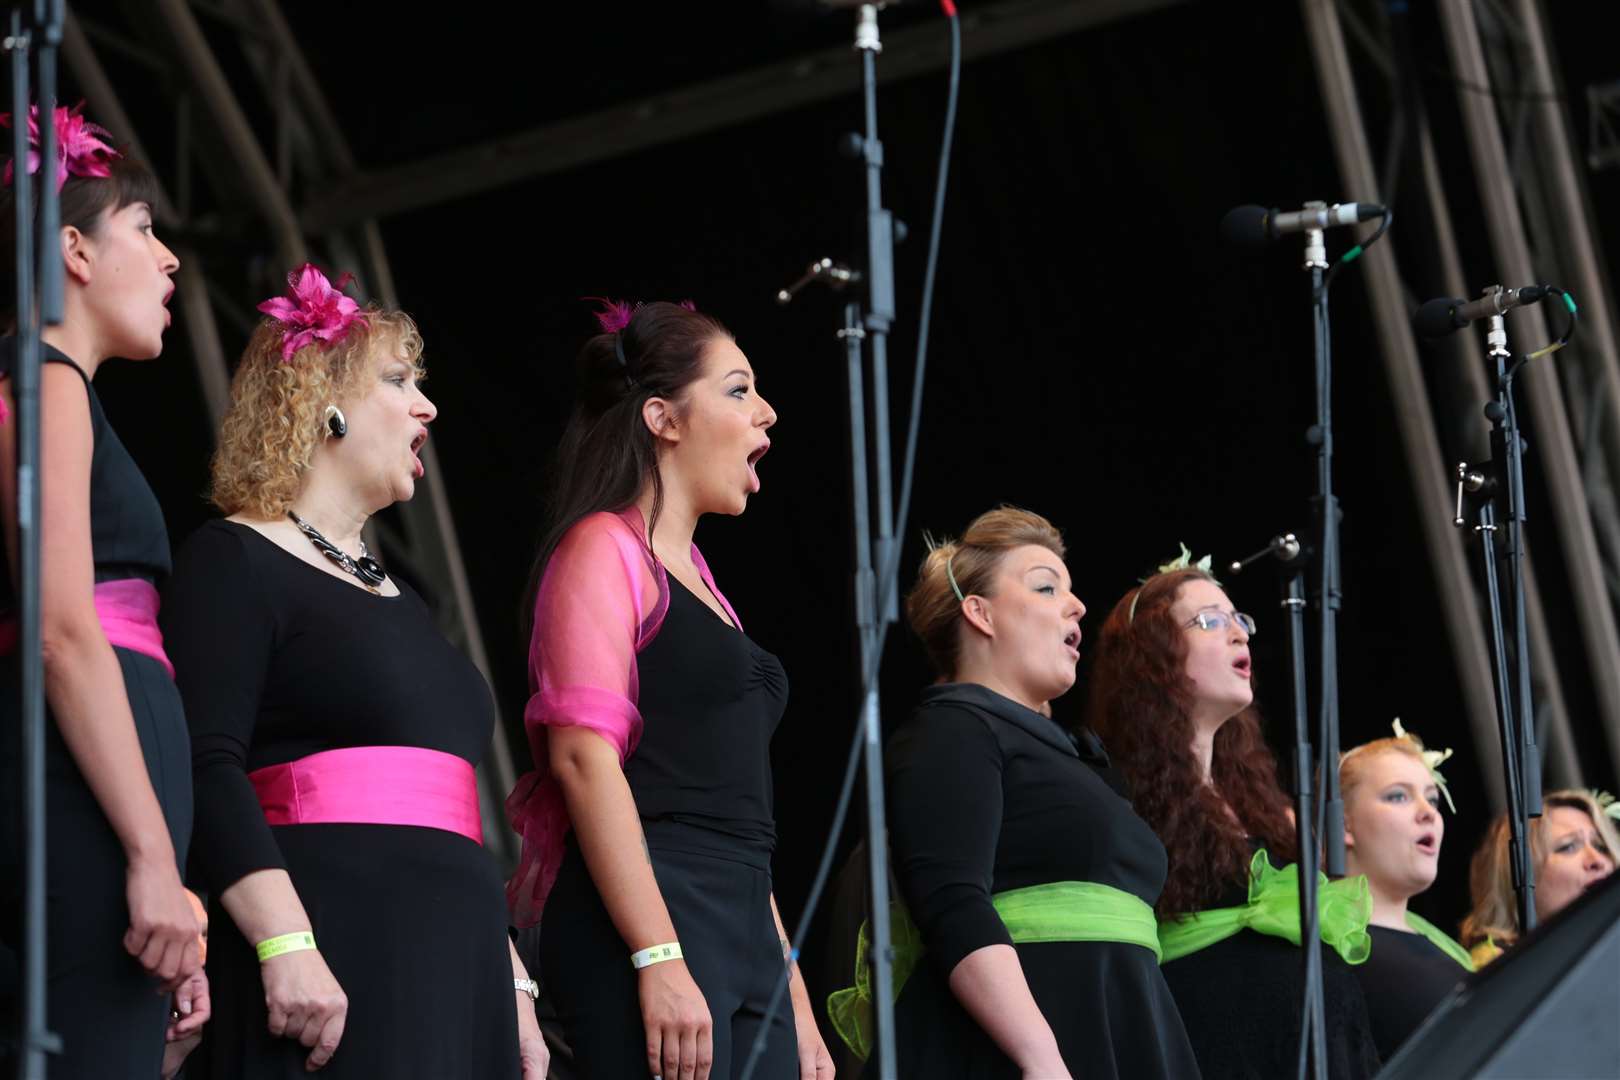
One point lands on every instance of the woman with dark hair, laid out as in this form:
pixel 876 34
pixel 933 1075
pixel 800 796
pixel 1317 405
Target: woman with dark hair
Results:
pixel 1029 879
pixel 1172 696
pixel 359 926
pixel 118 786
pixel 1574 846
pixel 647 825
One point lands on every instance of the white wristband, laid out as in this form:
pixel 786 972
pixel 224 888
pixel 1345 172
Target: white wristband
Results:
pixel 656 955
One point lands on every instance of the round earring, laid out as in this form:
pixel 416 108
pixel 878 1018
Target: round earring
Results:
pixel 335 422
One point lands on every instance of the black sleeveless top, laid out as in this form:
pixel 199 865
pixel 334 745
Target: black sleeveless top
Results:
pixel 710 700
pixel 127 534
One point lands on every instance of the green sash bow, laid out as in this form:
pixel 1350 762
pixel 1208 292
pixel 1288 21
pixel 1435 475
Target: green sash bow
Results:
pixel 1345 907
pixel 1056 911
pixel 1440 940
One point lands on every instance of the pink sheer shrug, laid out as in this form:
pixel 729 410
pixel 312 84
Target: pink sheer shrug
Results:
pixel 601 601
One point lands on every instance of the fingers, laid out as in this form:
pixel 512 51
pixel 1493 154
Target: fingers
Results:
pixel 670 1066
pixel 704 1051
pixel 688 1055
pixel 327 1043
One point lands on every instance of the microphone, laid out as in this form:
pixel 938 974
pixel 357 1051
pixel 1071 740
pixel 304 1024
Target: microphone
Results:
pixel 1446 315
pixel 1255 226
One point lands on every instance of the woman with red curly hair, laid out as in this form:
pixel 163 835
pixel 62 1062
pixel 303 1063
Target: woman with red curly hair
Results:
pixel 1172 697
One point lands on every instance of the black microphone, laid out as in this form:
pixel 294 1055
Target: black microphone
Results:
pixel 1446 315
pixel 1255 226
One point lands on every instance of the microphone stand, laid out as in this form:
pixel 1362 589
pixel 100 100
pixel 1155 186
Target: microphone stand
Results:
pixel 1504 475
pixel 1292 558
pixel 1330 820
pixel 39 301
pixel 870 484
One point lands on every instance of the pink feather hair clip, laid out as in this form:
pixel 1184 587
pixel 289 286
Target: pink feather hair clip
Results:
pixel 615 315
pixel 80 146
pixel 314 310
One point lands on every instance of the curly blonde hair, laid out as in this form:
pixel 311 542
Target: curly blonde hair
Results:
pixel 277 414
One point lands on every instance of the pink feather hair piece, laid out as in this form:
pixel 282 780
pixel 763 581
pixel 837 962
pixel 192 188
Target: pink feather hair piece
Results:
pixel 81 149
pixel 314 310
pixel 615 315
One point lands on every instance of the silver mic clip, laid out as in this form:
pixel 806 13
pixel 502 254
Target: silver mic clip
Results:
pixel 836 275
pixel 1285 549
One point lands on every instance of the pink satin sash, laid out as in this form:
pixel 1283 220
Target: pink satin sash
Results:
pixel 127 610
pixel 373 785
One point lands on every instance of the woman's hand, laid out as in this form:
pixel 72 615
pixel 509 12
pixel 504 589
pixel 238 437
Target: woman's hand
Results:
pixel 815 1063
pixel 680 1032
pixel 163 929
pixel 533 1053
pixel 305 1003
pixel 191 1010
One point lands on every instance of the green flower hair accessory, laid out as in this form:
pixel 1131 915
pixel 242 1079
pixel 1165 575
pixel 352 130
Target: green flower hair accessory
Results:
pixel 1606 803
pixel 1431 758
pixel 1184 561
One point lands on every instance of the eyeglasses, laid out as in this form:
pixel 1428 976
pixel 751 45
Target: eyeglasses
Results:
pixel 1223 620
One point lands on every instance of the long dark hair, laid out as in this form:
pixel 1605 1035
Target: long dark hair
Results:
pixel 607 453
pixel 1141 704
pixel 83 200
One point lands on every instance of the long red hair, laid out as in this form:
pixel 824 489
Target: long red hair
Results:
pixel 1140 702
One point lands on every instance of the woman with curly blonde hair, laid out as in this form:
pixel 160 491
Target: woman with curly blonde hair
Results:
pixel 1573 846
pixel 335 732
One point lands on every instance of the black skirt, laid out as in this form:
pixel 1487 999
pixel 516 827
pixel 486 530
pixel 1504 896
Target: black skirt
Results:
pixel 410 920
pixel 98 999
pixel 1103 1000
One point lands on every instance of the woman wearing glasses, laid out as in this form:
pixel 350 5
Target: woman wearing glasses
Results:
pixel 1172 696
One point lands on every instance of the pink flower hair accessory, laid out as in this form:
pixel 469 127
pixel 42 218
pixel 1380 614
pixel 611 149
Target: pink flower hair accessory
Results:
pixel 314 309
pixel 80 146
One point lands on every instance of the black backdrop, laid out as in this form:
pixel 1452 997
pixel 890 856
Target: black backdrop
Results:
pixel 1097 357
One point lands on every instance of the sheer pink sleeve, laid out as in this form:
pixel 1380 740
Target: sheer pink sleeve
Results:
pixel 601 600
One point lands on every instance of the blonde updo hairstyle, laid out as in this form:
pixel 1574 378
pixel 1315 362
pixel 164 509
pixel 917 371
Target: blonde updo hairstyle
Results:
pixel 1353 762
pixel 932 608
pixel 277 414
pixel 1495 915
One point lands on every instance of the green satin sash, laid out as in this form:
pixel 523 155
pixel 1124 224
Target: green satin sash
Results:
pixel 1345 907
pixel 1440 940
pixel 1056 911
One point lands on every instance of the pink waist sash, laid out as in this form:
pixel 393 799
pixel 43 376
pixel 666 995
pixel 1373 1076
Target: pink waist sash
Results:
pixel 127 610
pixel 373 785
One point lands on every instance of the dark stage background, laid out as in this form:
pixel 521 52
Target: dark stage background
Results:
pixel 1097 357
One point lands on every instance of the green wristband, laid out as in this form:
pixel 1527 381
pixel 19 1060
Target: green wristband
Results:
pixel 286 943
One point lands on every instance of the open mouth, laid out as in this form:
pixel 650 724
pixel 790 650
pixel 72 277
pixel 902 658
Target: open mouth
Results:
pixel 168 317
pixel 416 447
pixel 1242 666
pixel 753 460
pixel 1429 844
pixel 1071 641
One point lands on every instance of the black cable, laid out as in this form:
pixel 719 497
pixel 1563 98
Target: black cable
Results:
pixel 889 578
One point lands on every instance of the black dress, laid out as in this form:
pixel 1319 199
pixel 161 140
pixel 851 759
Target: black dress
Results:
pixel 710 700
pixel 1240 999
pixel 276 660
pixel 99 1000
pixel 1404 978
pixel 986 795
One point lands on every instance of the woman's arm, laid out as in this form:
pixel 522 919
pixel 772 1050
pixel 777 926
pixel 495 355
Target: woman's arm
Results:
pixel 990 984
pixel 814 1061
pixel 301 995
pixel 678 1025
pixel 533 1054
pixel 84 684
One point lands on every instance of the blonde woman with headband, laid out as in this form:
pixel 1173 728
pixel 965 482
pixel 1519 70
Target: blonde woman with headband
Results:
pixel 1028 878
pixel 1393 828
pixel 1573 844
